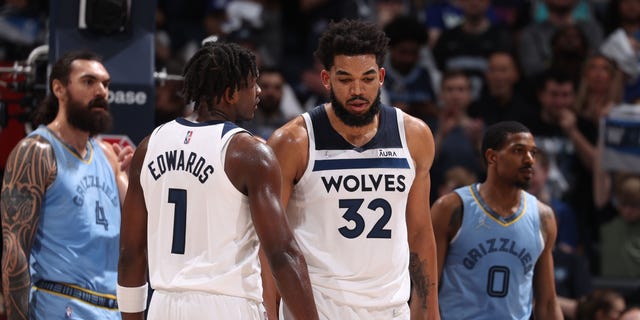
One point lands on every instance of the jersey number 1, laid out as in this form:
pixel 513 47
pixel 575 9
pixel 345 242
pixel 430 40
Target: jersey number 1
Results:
pixel 179 198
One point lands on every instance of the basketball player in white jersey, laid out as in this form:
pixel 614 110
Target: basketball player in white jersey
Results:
pixel 204 195
pixel 495 240
pixel 356 185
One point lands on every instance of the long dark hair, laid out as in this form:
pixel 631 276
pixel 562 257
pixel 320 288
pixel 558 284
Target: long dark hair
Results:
pixel 48 108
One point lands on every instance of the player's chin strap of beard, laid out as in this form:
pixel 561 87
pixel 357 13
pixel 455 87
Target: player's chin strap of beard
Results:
pixel 132 299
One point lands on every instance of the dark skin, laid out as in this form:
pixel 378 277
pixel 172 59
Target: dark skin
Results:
pixel 30 170
pixel 361 76
pixel 253 169
pixel 506 168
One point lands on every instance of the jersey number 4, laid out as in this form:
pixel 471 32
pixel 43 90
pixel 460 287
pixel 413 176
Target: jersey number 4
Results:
pixel 352 214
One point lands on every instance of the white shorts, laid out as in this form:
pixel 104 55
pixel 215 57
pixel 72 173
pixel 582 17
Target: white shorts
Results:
pixel 328 309
pixel 199 305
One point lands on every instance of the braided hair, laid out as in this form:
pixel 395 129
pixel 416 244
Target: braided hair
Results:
pixel 214 68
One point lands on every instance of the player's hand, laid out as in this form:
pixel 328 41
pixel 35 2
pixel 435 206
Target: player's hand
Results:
pixel 124 156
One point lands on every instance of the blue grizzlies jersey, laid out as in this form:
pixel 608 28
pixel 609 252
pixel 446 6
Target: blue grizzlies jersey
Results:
pixel 200 232
pixel 488 271
pixel 77 241
pixel 348 212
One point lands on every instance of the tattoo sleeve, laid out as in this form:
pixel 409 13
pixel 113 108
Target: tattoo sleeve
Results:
pixel 419 280
pixel 30 169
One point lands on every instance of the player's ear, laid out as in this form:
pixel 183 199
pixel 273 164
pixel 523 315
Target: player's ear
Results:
pixel 381 73
pixel 58 88
pixel 231 97
pixel 491 155
pixel 325 77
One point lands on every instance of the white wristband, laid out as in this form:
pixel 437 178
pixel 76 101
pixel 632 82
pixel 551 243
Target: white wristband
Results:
pixel 132 299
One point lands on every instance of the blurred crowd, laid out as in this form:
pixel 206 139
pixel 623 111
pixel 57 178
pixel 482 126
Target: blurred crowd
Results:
pixel 561 67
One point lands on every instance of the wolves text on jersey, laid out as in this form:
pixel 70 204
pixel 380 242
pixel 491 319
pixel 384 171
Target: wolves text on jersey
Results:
pixel 176 160
pixel 365 182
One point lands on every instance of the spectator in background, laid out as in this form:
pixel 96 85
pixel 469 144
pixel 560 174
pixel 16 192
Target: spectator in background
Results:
pixel 311 90
pixel 442 15
pixel 569 50
pixel 601 304
pixel 567 240
pixel 23 26
pixel 467 46
pixel 408 83
pixel 169 102
pixel 302 23
pixel 572 275
pixel 623 43
pixel 632 313
pixel 623 14
pixel 620 237
pixel 455 178
pixel 457 136
pixel 556 95
pixel 500 99
pixel 535 40
pixel 269 115
pixel 600 90
pixel 387 10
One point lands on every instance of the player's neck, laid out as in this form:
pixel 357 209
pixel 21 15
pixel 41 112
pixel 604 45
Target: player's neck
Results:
pixel 74 138
pixel 502 199
pixel 357 136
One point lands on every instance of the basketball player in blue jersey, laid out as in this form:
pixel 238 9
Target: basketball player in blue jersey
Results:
pixel 495 240
pixel 60 202
pixel 356 186
pixel 203 196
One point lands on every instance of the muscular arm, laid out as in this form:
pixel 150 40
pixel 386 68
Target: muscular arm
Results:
pixel 132 263
pixel 446 216
pixel 422 245
pixel 290 146
pixel 546 303
pixel 31 167
pixel 253 168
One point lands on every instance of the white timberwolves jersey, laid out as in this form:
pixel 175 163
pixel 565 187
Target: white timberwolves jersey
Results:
pixel 348 212
pixel 200 233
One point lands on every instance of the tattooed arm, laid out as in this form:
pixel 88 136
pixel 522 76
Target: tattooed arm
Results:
pixel 544 288
pixel 31 167
pixel 422 261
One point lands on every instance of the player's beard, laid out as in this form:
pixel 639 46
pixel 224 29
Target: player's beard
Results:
pixel 86 118
pixel 524 185
pixel 353 119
